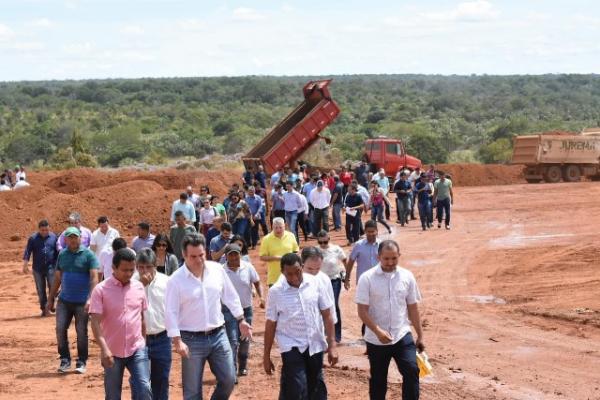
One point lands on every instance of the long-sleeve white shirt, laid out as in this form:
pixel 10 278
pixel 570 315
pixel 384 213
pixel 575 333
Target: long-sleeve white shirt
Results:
pixel 194 304
pixel 320 199
pixel 154 316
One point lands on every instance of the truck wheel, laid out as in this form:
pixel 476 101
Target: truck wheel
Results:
pixel 572 173
pixel 552 174
pixel 533 180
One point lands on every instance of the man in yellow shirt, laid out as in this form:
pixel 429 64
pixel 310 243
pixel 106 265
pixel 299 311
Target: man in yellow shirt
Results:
pixel 274 246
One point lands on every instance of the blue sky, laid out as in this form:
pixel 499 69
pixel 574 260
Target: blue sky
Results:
pixel 79 39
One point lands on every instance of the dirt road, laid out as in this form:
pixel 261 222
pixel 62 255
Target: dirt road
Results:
pixel 511 308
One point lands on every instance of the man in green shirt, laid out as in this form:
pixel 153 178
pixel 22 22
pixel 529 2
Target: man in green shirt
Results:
pixel 443 198
pixel 178 232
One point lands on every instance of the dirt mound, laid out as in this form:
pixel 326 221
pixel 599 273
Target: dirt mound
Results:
pixel 483 174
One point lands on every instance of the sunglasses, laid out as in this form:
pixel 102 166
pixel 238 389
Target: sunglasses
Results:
pixel 323 241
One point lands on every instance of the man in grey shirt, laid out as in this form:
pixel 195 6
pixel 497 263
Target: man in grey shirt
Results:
pixel 178 232
pixel 144 237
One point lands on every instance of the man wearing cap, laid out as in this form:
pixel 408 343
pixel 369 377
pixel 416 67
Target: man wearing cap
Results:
pixel 243 276
pixel 320 199
pixel 185 206
pixel 76 275
pixel 144 237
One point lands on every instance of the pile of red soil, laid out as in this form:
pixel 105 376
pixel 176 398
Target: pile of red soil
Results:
pixel 483 174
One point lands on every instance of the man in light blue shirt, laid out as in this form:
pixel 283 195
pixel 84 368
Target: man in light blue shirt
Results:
pixel 293 203
pixel 185 206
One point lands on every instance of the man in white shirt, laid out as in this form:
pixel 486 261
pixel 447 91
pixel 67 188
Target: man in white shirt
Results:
pixel 312 260
pixel 387 297
pixel 320 199
pixel 186 207
pixel 106 258
pixel 292 203
pixel 103 236
pixel 194 319
pixel 296 312
pixel 243 276
pixel 157 340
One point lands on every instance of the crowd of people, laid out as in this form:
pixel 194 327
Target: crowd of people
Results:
pixel 13 179
pixel 192 289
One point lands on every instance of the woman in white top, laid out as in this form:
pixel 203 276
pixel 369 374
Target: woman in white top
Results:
pixel 207 214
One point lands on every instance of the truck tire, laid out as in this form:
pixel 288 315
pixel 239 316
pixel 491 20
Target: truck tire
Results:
pixel 552 174
pixel 571 173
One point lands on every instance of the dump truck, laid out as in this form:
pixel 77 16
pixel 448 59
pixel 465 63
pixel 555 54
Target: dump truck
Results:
pixel 389 154
pixel 287 141
pixel 555 156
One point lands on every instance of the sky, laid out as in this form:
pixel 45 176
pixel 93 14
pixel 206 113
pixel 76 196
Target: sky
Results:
pixel 89 39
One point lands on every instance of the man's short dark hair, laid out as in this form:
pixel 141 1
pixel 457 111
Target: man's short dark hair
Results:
pixel 183 196
pixel 118 244
pixel 43 223
pixel 310 252
pixel 290 259
pixel 102 219
pixel 146 257
pixel 122 255
pixel 388 245
pixel 322 234
pixel 144 225
pixel 178 213
pixel 226 226
pixel 371 224
pixel 194 240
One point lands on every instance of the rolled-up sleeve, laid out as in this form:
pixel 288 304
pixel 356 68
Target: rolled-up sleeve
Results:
pixel 172 309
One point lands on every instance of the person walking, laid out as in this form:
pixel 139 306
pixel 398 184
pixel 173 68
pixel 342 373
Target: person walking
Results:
pixel 274 246
pixel 106 258
pixel 443 198
pixel 387 298
pixel 353 206
pixel 75 221
pixel 218 243
pixel 293 203
pixel 42 246
pixel 320 198
pixel 76 276
pixel 413 179
pixel 277 202
pixel 403 191
pixel 377 204
pixel 117 307
pixel 255 205
pixel 166 260
pixel 243 276
pixel 157 340
pixel 144 238
pixel 195 293
pixel 297 313
pixel 424 194
pixel 364 253
pixel 185 206
pixel 178 233
pixel 334 262
pixel 103 236
pixel 337 202
pixel 206 216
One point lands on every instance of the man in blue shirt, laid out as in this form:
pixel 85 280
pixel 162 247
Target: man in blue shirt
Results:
pixel 424 194
pixel 42 245
pixel 403 191
pixel 255 204
pixel 261 177
pixel 76 275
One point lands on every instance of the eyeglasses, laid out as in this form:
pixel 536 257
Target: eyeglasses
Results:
pixel 322 241
pixel 161 245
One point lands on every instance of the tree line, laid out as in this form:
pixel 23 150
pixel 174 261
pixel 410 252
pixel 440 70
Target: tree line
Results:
pixel 120 122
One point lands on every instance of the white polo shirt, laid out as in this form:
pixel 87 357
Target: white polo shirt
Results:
pixel 388 294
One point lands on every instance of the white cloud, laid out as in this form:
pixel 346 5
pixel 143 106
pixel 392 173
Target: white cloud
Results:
pixel 132 30
pixel 469 11
pixel 78 49
pixel 41 23
pixel 5 33
pixel 28 46
pixel 191 24
pixel 247 14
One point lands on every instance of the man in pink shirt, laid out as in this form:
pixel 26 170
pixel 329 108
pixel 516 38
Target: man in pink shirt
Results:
pixel 117 311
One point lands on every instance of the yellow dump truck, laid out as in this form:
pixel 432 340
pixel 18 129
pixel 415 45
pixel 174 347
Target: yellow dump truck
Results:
pixel 555 156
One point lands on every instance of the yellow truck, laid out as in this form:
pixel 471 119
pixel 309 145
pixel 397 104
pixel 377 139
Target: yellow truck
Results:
pixel 554 156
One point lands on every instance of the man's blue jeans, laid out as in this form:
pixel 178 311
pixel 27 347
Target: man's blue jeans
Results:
pixel 424 212
pixel 240 348
pixel 216 350
pixel 404 354
pixel 160 355
pixel 43 283
pixel 302 376
pixel 337 288
pixel 403 208
pixel 291 218
pixel 139 368
pixel 443 206
pixel 64 315
pixel 337 216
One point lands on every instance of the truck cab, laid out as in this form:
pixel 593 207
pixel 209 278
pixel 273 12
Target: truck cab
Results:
pixel 389 154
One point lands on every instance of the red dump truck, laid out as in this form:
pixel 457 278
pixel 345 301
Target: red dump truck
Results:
pixel 555 155
pixel 389 154
pixel 286 142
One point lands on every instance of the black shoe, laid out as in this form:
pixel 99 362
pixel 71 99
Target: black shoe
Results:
pixel 80 367
pixel 439 225
pixel 243 372
pixel 424 228
pixel 65 366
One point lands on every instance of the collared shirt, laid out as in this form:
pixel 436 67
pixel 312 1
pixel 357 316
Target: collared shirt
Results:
pixel 139 243
pixel 320 199
pixel 292 201
pixel 402 185
pixel 105 259
pixel 121 307
pixel 176 236
pixel 187 208
pixel 388 294
pixel 364 194
pixel 254 203
pixel 75 274
pixel 275 178
pixel 102 240
pixel 297 312
pixel 333 257
pixel 195 200
pixel 304 208
pixel 327 289
pixel 217 243
pixel 194 304
pixel 154 316
pixel 86 237
pixel 278 200
pixel 207 215
pixel 271 245
pixel 308 188
pixel 243 279
pixel 43 250
pixel 365 255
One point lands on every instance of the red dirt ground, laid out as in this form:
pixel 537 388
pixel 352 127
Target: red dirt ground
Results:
pixel 510 295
